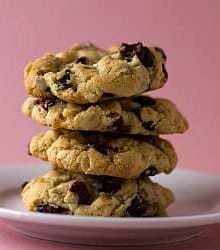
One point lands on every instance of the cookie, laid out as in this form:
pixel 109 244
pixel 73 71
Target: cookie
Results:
pixel 75 194
pixel 137 115
pixel 129 70
pixel 104 154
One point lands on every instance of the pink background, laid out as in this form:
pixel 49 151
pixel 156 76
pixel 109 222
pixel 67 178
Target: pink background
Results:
pixel 187 30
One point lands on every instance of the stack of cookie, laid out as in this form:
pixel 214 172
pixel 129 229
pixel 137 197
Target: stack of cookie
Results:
pixel 104 139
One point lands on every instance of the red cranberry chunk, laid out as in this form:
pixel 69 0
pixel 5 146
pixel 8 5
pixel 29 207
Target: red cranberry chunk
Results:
pixel 128 51
pixel 151 171
pixel 81 189
pixel 107 184
pixel 145 101
pixel 52 209
pixel 137 208
pixel 150 125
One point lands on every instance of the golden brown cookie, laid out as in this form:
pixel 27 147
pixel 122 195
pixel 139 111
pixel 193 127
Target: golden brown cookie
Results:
pixel 104 154
pixel 87 74
pixel 74 194
pixel 137 115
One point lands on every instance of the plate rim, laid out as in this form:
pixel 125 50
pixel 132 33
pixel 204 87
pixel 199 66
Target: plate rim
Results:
pixel 105 222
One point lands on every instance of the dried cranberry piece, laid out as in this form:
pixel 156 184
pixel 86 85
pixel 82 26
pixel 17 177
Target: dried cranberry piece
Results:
pixel 128 51
pixel 29 152
pixel 24 184
pixel 48 103
pixel 107 184
pixel 119 126
pixel 101 144
pixel 81 189
pixel 45 103
pixel 48 90
pixel 162 53
pixel 150 125
pixel 151 171
pixel 82 60
pixel 103 148
pixel 144 100
pixel 113 115
pixel 165 72
pixel 63 83
pixel 52 209
pixel 138 207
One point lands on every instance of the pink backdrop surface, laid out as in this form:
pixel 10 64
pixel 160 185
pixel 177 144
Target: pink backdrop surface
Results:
pixel 187 30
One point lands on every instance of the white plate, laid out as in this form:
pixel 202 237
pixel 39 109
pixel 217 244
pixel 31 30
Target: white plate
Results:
pixel 197 206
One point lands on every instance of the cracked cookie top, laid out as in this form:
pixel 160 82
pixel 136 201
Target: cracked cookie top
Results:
pixel 88 74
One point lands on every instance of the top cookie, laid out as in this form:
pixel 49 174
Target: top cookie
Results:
pixel 87 74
